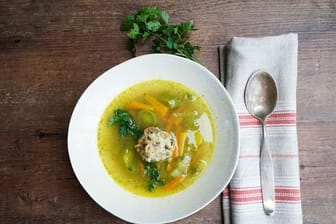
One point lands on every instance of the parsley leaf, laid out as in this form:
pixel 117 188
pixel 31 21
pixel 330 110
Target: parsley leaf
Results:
pixel 126 123
pixel 153 26
pixel 127 23
pixel 153 174
pixel 165 17
pixel 153 23
pixel 134 32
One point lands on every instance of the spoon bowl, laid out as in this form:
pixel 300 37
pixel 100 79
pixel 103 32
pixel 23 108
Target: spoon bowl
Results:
pixel 261 97
pixel 261 94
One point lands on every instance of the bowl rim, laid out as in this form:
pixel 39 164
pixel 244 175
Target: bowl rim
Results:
pixel 149 57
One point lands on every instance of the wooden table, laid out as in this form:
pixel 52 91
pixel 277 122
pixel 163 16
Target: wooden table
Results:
pixel 51 50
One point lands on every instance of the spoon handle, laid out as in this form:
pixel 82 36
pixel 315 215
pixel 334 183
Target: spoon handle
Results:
pixel 267 175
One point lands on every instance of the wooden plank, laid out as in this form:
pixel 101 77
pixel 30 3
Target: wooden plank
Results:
pixel 51 50
pixel 318 172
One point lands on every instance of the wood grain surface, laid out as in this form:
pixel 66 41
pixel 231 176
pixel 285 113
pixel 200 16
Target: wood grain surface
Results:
pixel 50 51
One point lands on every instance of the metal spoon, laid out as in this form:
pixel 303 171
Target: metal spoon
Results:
pixel 260 100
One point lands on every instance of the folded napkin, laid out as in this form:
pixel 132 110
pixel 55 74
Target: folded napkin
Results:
pixel 242 200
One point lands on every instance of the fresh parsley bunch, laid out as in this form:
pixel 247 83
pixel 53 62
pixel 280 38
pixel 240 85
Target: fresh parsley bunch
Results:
pixel 152 22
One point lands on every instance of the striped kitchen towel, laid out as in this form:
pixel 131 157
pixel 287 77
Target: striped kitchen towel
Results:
pixel 242 199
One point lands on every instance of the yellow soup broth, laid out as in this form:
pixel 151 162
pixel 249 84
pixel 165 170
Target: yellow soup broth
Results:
pixel 176 109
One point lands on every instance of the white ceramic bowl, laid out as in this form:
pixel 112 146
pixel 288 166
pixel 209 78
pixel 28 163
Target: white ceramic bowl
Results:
pixel 90 171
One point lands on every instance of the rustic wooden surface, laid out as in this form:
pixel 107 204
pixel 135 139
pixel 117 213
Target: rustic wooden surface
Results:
pixel 51 50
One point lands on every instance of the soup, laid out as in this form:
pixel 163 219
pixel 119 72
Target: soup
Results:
pixel 156 138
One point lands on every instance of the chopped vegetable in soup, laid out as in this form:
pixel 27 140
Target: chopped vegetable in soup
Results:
pixel 156 138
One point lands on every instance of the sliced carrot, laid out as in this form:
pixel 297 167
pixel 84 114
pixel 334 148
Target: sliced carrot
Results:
pixel 159 107
pixel 175 152
pixel 169 124
pixel 172 121
pixel 174 182
pixel 169 166
pixel 182 109
pixel 177 121
pixel 195 158
pixel 139 106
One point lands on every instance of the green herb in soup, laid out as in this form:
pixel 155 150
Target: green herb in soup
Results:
pixel 127 125
pixel 156 138
pixel 153 174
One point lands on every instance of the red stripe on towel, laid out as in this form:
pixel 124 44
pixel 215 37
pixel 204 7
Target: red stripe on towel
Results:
pixel 254 195
pixel 278 118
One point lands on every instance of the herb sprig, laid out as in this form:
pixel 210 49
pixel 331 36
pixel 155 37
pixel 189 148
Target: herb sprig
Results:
pixel 153 174
pixel 126 124
pixel 152 22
